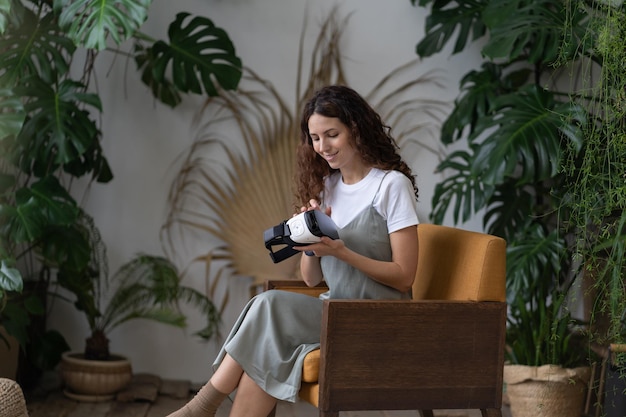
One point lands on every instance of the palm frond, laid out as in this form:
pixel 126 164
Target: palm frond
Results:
pixel 149 288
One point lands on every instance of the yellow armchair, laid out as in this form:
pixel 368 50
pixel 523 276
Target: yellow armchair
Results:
pixel 442 350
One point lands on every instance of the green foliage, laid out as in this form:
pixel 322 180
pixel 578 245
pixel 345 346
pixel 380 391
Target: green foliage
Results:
pixel 58 130
pixel 22 311
pixel 90 23
pixel 196 52
pixel 445 18
pixel 530 116
pixel 44 204
pixel 540 334
pixel 597 187
pixel 33 47
pixel 149 287
pixel 146 287
pixel 11 118
pixel 5 7
pixel 50 133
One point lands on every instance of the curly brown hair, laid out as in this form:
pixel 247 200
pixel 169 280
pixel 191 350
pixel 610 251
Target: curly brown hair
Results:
pixel 372 138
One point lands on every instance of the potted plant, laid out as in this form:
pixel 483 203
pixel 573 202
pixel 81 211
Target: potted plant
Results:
pixel 547 371
pixel 146 287
pixel 526 116
pixel 49 137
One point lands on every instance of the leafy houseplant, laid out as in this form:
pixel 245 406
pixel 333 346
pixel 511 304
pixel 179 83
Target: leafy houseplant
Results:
pixel 543 120
pixel 146 287
pixel 49 136
pixel 518 126
pixel 597 198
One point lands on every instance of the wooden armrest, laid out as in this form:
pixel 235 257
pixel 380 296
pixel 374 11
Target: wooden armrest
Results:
pixel 405 350
pixel 296 286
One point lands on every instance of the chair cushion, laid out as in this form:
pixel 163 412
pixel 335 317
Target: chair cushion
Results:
pixel 311 366
pixel 310 392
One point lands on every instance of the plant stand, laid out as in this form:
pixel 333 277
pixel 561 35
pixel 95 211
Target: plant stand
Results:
pixel 92 380
pixel 614 404
pixel 546 391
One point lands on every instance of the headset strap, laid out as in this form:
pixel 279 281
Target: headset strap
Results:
pixel 274 236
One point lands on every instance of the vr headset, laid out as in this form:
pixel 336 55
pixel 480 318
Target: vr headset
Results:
pixel 305 228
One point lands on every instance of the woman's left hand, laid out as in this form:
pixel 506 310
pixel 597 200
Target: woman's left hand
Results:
pixel 325 247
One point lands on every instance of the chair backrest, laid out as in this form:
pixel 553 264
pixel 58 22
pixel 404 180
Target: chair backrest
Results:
pixel 457 264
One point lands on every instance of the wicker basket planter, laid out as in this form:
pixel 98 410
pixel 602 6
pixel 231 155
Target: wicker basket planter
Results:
pixel 546 391
pixel 12 402
pixel 92 380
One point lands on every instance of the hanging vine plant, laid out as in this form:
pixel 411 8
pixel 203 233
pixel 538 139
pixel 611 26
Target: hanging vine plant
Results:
pixel 597 176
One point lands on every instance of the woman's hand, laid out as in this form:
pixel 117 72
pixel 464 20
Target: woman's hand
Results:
pixel 325 247
pixel 310 265
pixel 313 205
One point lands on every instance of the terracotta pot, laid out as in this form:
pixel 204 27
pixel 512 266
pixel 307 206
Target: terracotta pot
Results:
pixel 546 391
pixel 93 380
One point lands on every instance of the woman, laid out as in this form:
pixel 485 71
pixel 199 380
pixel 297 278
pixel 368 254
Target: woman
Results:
pixel 349 167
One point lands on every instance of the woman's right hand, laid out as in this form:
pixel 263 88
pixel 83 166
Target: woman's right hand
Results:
pixel 310 265
pixel 314 205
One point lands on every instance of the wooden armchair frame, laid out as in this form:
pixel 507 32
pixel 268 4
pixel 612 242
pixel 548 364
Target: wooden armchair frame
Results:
pixel 444 350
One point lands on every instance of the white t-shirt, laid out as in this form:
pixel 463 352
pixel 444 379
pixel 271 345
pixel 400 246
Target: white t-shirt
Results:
pixel 394 198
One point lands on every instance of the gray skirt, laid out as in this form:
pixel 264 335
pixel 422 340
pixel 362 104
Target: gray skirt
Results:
pixel 271 337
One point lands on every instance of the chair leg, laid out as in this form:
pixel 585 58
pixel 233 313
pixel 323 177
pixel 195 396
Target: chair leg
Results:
pixel 273 412
pixel 426 413
pixel 491 412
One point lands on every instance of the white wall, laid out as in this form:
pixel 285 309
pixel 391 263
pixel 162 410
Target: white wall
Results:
pixel 142 139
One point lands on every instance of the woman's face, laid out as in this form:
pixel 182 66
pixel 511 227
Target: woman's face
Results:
pixel 333 141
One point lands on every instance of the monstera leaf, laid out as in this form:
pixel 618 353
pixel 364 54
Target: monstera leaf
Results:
pixel 534 29
pixel 528 140
pixel 468 191
pixel 12 114
pixel 480 91
pixel 527 145
pixel 10 278
pixel 163 89
pixel 508 209
pixel 5 7
pixel 89 23
pixel 44 203
pixel 536 254
pixel 57 129
pixel 36 47
pixel 197 52
pixel 447 18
